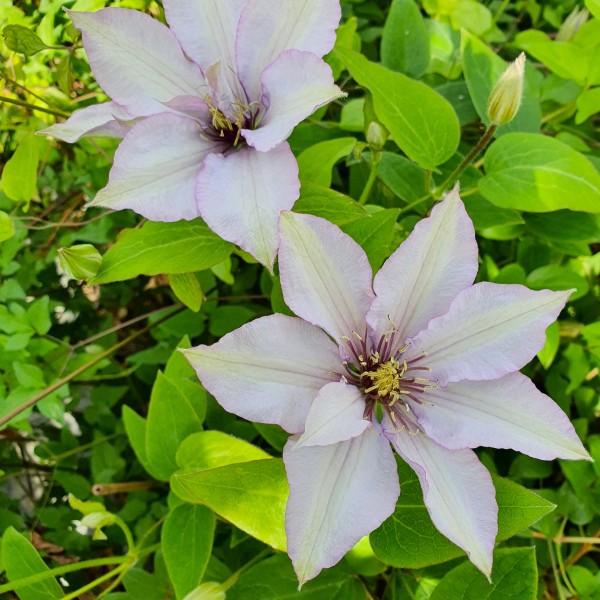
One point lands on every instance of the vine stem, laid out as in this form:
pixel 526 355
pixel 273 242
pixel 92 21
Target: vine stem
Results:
pixel 57 385
pixel 366 193
pixel 468 159
pixel 79 566
pixel 49 111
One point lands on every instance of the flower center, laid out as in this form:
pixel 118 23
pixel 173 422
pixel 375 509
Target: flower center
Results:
pixel 387 378
pixel 229 128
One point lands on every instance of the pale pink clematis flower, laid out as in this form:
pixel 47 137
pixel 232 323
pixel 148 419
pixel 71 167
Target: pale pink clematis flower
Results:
pixel 419 357
pixel 205 108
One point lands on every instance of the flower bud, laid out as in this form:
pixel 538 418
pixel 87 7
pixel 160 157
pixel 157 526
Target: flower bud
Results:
pixel 79 262
pixel 377 135
pixel 572 24
pixel 207 591
pixel 505 98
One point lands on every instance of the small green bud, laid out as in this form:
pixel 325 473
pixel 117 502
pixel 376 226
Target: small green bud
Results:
pixel 207 591
pixel 95 516
pixel 377 135
pixel 79 262
pixel 572 24
pixel 506 96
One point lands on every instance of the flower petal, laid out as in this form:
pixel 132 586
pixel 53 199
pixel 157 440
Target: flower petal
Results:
pixel 102 120
pixel 338 494
pixel 206 28
pixel 267 28
pixel 269 370
pixel 490 330
pixel 420 280
pixel 294 85
pixel 459 495
pixel 325 274
pixel 504 413
pixel 336 415
pixel 137 60
pixel 155 169
pixel 241 195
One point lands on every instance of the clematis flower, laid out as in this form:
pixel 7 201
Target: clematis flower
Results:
pixel 418 359
pixel 205 108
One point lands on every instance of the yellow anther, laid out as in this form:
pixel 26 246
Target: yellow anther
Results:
pixel 385 380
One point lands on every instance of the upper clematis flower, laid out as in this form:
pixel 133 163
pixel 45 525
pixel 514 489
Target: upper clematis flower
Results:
pixel 418 358
pixel 205 108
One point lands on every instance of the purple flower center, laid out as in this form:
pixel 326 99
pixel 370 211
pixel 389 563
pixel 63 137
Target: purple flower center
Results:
pixel 387 377
pixel 228 127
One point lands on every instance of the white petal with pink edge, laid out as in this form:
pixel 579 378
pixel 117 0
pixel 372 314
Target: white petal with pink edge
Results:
pixel 338 494
pixel 336 415
pixel 509 412
pixel 241 195
pixel 102 120
pixel 137 60
pixel 269 370
pixel 155 169
pixel 295 85
pixel 490 330
pixel 267 28
pixel 420 280
pixel 206 28
pixel 458 493
pixel 325 275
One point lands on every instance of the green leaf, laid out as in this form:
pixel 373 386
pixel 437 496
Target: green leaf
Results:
pixel 212 449
pixel 482 68
pixel 157 248
pixel 409 540
pixel 406 108
pixel 375 234
pixel 186 541
pixel 316 163
pixel 588 104
pixel 537 173
pixel 547 354
pixel 565 225
pixel 251 495
pixel 7 229
pixel 135 428
pixel 557 278
pixel 19 176
pixel 514 576
pixel 38 315
pixel 328 204
pixel 81 261
pixel 405 40
pixel 402 176
pixel 22 560
pixel 594 7
pixel 171 418
pixel 23 40
pixel 187 289
pixel 274 579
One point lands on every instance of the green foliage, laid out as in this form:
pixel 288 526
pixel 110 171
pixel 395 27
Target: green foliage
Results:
pixel 94 393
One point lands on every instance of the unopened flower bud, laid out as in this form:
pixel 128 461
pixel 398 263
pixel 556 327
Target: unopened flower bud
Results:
pixel 377 135
pixel 207 591
pixel 505 98
pixel 79 262
pixel 572 24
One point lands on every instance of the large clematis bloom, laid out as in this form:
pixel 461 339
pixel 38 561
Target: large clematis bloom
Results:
pixel 205 108
pixel 418 359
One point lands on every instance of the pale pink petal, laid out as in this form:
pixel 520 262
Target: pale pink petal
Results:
pixel 504 413
pixel 267 28
pixel 420 280
pixel 490 330
pixel 137 60
pixel 206 28
pixel 325 275
pixel 338 494
pixel 193 107
pixel 269 370
pixel 155 169
pixel 294 85
pixel 100 120
pixel 336 415
pixel 240 196
pixel 458 493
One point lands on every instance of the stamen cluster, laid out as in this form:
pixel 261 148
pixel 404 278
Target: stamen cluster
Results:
pixel 229 128
pixel 387 377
